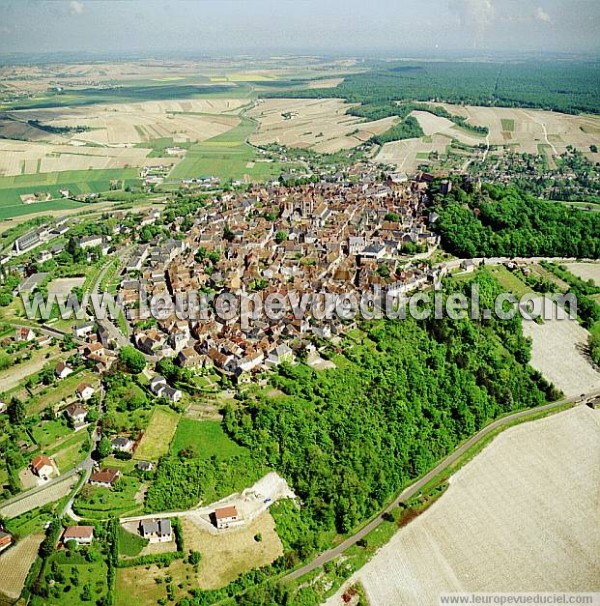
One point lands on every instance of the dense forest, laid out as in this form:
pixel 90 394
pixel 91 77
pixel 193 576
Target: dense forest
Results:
pixel 504 221
pixel 403 396
pixel 569 87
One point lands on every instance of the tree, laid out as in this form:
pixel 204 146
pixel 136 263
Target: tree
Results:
pixel 195 557
pixel 104 448
pixel 132 359
pixel 281 236
pixel 16 412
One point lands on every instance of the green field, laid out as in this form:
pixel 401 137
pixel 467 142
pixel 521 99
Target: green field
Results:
pixel 158 435
pixel 508 125
pixel 226 156
pixel 76 576
pixel 207 437
pixel 510 282
pixel 99 503
pixel 76 181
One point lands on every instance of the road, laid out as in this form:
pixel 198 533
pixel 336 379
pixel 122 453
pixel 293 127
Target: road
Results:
pixel 414 489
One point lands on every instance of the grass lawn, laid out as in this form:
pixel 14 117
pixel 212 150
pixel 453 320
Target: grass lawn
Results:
pixel 227 156
pixel 49 432
pixel 70 452
pixel 98 503
pixel 130 544
pixel 158 435
pixel 207 437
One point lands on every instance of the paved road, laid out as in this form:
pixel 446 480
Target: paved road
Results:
pixel 414 489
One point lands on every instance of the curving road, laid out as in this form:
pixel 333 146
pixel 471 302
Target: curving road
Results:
pixel 409 492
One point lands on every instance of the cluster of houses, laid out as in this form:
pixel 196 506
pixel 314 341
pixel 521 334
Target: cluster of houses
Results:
pixel 335 237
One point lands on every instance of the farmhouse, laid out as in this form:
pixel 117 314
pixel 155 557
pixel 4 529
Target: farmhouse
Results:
pixel 105 478
pixel 82 535
pixel 226 516
pixel 145 466
pixel 42 467
pixel 156 531
pixel 5 540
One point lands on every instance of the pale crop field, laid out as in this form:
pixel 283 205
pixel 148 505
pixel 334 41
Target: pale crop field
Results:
pixel 318 124
pixel 586 271
pixel 15 564
pixel 522 516
pixel 559 353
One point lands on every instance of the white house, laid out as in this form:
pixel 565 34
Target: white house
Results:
pixel 282 353
pixel 122 445
pixel 85 391
pixel 77 414
pixel 226 516
pixel 62 370
pixel 156 531
pixel 42 467
pixel 24 334
pixel 82 535
pixel 82 330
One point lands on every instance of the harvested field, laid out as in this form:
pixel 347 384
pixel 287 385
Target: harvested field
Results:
pixel 522 516
pixel 48 495
pixel 530 128
pixel 27 158
pixel 406 155
pixel 131 123
pixel 586 271
pixel 15 563
pixel 318 124
pixel 227 555
pixel 559 353
pixel 436 125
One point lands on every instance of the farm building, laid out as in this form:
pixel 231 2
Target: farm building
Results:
pixel 226 516
pixel 82 535
pixel 156 531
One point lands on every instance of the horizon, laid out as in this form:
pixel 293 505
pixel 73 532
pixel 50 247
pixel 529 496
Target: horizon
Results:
pixel 123 27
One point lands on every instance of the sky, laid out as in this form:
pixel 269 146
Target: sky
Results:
pixel 355 27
